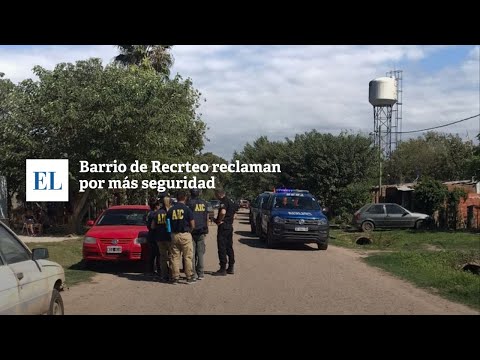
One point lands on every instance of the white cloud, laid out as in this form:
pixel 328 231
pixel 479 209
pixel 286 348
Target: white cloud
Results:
pixel 282 90
pixel 17 62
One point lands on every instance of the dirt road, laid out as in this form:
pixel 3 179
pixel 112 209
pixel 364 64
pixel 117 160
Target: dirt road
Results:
pixel 289 280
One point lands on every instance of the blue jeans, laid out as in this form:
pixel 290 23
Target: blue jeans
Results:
pixel 198 253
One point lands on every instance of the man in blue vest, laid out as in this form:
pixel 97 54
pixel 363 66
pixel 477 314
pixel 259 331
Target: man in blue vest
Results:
pixel 161 234
pixel 200 215
pixel 182 224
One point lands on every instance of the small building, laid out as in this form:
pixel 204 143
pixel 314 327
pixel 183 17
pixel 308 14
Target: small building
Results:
pixel 469 209
pixel 401 194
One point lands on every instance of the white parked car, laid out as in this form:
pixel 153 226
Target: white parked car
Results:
pixel 29 284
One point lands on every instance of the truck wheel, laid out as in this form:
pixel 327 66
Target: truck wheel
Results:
pixel 258 228
pixel 322 246
pixel 56 304
pixel 270 242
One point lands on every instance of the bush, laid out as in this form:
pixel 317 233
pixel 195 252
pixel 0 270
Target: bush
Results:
pixel 430 196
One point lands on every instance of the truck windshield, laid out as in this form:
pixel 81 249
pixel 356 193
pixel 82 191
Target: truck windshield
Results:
pixel 123 217
pixel 295 203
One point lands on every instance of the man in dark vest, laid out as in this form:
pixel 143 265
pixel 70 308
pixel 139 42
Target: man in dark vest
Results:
pixel 224 220
pixel 153 257
pixel 161 234
pixel 200 215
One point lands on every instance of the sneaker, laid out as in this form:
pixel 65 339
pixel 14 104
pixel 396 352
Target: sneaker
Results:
pixel 201 277
pixel 230 270
pixel 191 281
pixel 174 282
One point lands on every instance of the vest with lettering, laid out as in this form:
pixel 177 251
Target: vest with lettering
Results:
pixel 160 231
pixel 180 216
pixel 200 215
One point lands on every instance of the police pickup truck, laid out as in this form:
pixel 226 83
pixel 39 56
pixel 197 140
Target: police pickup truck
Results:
pixel 255 215
pixel 293 216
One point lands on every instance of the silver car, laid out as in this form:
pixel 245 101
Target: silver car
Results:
pixel 387 215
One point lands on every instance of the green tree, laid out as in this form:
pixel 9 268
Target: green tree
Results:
pixel 430 196
pixel 453 200
pixel 158 57
pixel 221 179
pixel 473 163
pixel 85 111
pixel 439 156
pixel 262 151
pixel 14 150
pixel 325 164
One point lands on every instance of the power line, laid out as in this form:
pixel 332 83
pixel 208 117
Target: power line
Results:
pixel 435 127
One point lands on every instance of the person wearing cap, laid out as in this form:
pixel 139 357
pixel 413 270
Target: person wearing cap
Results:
pixel 182 224
pixel 224 220
pixel 152 260
pixel 162 236
pixel 200 215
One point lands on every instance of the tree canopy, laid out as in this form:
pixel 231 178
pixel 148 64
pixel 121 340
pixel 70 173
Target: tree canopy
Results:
pixel 443 157
pixel 325 164
pixel 87 111
pixel 158 57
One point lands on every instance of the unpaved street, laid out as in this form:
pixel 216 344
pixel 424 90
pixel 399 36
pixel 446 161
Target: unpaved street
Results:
pixel 289 280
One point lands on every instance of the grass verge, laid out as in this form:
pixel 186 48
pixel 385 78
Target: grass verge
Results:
pixel 438 271
pixel 409 240
pixel 429 259
pixel 68 254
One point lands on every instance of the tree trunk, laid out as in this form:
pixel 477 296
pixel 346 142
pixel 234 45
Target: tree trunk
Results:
pixel 80 207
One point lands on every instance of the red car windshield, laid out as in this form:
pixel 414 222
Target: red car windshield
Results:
pixel 123 217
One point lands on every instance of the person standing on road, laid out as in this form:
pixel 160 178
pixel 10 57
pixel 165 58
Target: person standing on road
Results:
pixel 224 220
pixel 162 236
pixel 200 215
pixel 182 224
pixel 153 254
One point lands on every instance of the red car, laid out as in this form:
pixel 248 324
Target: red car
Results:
pixel 245 204
pixel 117 235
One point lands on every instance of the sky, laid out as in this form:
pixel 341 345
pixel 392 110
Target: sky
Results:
pixel 281 90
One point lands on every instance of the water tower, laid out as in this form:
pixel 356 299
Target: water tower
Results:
pixel 382 94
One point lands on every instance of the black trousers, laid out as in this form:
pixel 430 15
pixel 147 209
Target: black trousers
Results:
pixel 225 245
pixel 153 261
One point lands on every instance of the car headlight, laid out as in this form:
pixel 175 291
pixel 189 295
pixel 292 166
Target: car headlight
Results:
pixel 140 240
pixel 322 222
pixel 278 220
pixel 89 240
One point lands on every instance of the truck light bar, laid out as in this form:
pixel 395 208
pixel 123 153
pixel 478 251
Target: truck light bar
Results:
pixel 290 191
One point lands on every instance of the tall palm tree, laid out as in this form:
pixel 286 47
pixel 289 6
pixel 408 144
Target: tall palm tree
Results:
pixel 159 56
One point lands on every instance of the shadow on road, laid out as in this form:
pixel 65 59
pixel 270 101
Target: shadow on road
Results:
pixel 246 234
pixel 115 268
pixel 139 277
pixel 245 222
pixel 257 243
pixel 253 242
